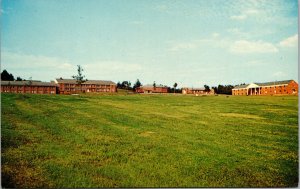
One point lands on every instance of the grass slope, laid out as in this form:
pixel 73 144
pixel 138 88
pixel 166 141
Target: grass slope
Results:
pixel 149 141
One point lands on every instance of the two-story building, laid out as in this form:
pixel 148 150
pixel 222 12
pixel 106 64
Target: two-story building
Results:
pixel 33 87
pixel 286 87
pixel 70 86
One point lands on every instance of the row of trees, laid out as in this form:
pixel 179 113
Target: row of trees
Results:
pixel 220 89
pixel 223 89
pixel 127 85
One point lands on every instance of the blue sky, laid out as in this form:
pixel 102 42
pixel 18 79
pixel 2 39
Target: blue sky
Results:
pixel 191 42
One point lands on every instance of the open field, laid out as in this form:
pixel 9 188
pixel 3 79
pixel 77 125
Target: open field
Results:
pixel 149 141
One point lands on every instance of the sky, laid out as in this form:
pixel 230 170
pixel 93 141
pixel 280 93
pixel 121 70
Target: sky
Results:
pixel 190 42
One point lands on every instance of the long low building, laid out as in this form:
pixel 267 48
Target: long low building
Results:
pixel 33 87
pixel 70 86
pixel 197 91
pixel 151 89
pixel 286 87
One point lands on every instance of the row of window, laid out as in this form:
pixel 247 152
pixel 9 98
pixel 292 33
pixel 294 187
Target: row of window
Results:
pixel 85 88
pixel 34 92
pixel 85 85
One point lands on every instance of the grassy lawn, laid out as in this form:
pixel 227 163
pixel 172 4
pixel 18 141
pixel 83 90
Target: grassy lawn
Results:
pixel 149 141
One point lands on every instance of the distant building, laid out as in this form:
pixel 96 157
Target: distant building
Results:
pixel 287 87
pixel 198 91
pixel 70 86
pixel 33 87
pixel 152 89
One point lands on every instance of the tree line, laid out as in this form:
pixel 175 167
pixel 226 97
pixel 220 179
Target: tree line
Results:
pixel 220 89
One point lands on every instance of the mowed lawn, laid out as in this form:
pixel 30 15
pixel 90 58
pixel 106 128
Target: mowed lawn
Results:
pixel 149 141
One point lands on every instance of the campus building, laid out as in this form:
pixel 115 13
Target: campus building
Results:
pixel 152 89
pixel 197 91
pixel 70 86
pixel 287 87
pixel 33 87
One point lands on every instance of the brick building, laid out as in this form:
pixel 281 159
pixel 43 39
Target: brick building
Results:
pixel 197 91
pixel 287 87
pixel 152 89
pixel 33 87
pixel 70 86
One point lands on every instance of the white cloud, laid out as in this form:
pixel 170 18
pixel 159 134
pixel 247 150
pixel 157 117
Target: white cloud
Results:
pixel 113 70
pixel 279 74
pixel 21 60
pixel 36 66
pixel 183 46
pixel 238 17
pixel 237 32
pixel 213 40
pixel 290 41
pixel 113 66
pixel 246 14
pixel 244 47
pixel 215 35
pixel 251 12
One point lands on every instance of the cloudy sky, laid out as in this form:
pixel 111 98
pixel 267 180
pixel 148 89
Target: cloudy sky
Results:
pixel 191 42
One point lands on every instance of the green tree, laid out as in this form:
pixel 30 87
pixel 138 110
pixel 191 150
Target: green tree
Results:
pixel 19 79
pixel 79 77
pixel 206 88
pixel 128 86
pixel 175 85
pixel 125 85
pixel 137 84
pixel 5 76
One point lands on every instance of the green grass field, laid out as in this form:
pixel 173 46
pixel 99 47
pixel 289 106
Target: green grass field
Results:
pixel 149 141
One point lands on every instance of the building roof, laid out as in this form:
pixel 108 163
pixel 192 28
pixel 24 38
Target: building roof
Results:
pixel 149 86
pixel 194 89
pixel 241 86
pixel 32 83
pixel 285 82
pixel 73 81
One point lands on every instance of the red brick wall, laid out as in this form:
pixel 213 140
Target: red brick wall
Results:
pixel 239 92
pixel 153 90
pixel 66 88
pixel 28 89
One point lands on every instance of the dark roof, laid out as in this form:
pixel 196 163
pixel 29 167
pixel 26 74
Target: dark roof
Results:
pixel 151 86
pixel 195 89
pixel 241 86
pixel 73 81
pixel 32 83
pixel 285 82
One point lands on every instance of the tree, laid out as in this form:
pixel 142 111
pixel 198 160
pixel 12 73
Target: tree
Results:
pixel 5 76
pixel 125 85
pixel 137 84
pixel 128 86
pixel 215 89
pixel 79 77
pixel 223 89
pixel 19 79
pixel 206 88
pixel 154 85
pixel 175 85
pixel 119 86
